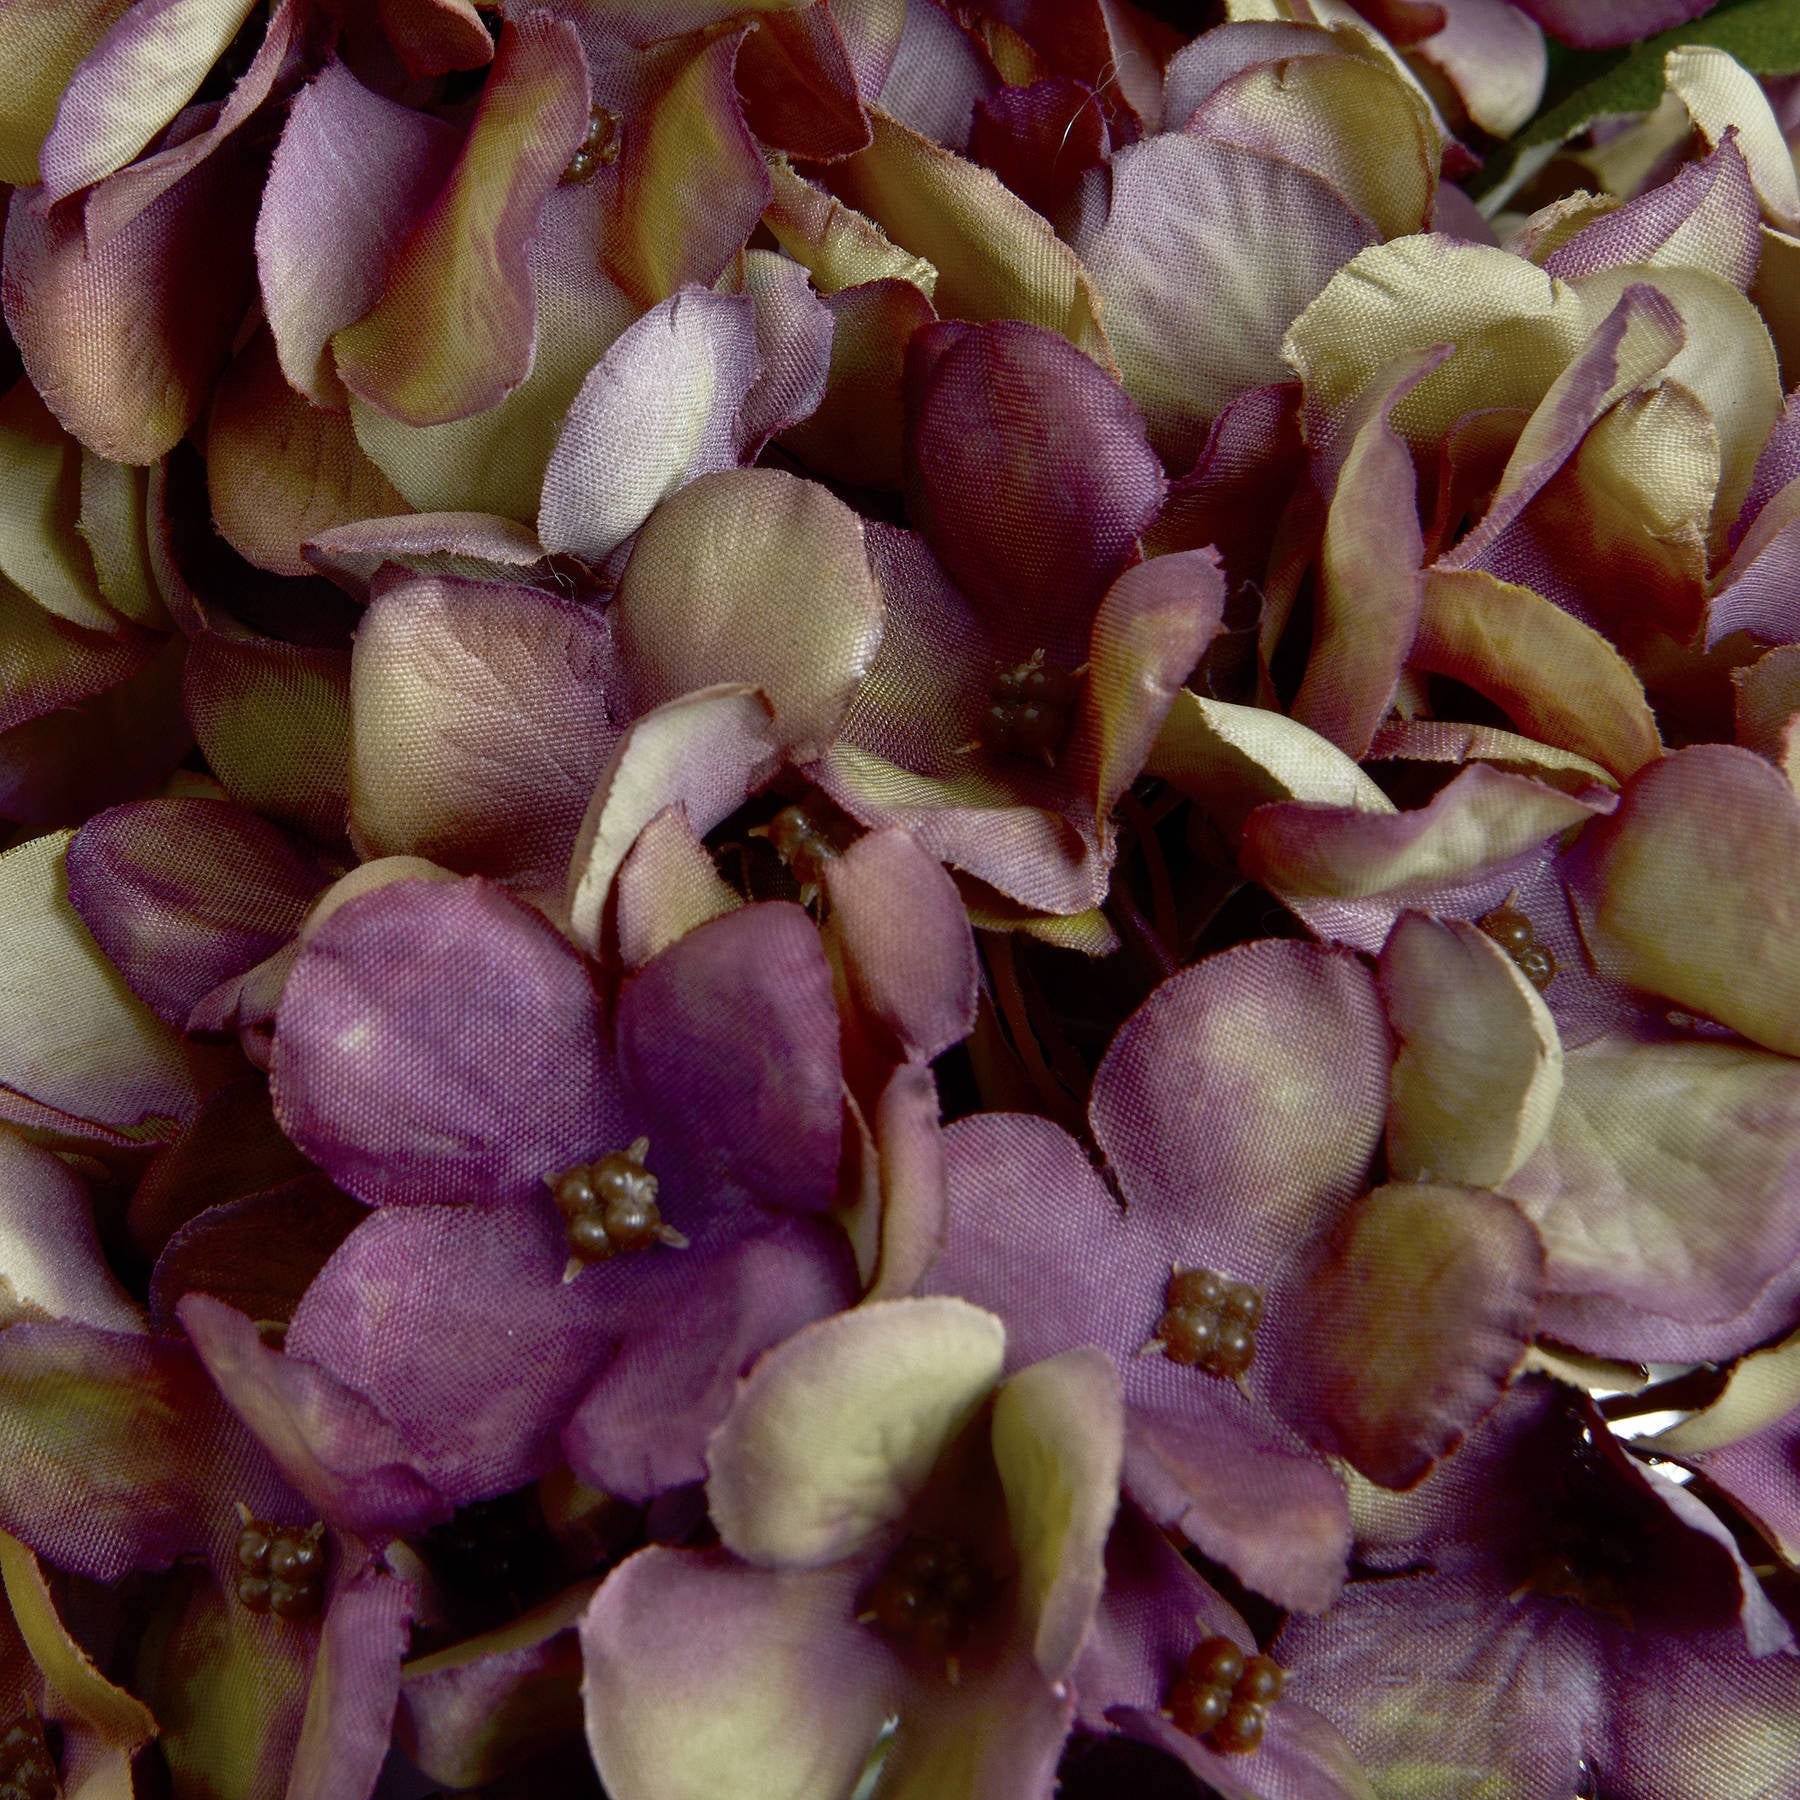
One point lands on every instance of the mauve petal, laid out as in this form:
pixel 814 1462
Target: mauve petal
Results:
pixel 330 1443
pixel 699 1669
pixel 273 721
pixel 1495 59
pixel 728 1042
pixel 898 924
pixel 438 1042
pixel 1602 24
pixel 706 752
pixel 1193 320
pixel 1239 1485
pixel 1369 591
pixel 50 1255
pixel 477 1710
pixel 798 85
pixel 1215 56
pixel 123 342
pixel 1414 1317
pixel 456 1325
pixel 1686 890
pixel 131 85
pixel 1705 215
pixel 657 411
pixel 1670 1176
pixel 794 331
pixel 119 1455
pixel 453 332
pixel 480 721
pixel 751 576
pixel 1777 468
pixel 183 894
pixel 1030 476
pixel 1041 139
pixel 936 77
pixel 331 224
pixel 836 1430
pixel 49 665
pixel 355 1684
pixel 1241 1104
pixel 642 1428
pixel 44 44
pixel 912 1182
pixel 74 1039
pixel 435 36
pixel 474 546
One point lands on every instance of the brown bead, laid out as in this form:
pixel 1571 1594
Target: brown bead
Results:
pixel 1537 964
pixel 1241 1729
pixel 588 1238
pixel 1196 1707
pixel 1200 1289
pixel 253 1549
pixel 928 1593
pixel 1241 1304
pixel 1216 1661
pixel 1233 1351
pixel 1508 927
pixel 631 1222
pixel 1261 1681
pixel 253 1592
pixel 291 1559
pixel 1187 1336
pixel 1050 686
pixel 294 1600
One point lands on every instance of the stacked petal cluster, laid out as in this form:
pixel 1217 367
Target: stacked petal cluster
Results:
pixel 899 899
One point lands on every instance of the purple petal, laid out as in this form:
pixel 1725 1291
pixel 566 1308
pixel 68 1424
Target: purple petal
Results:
pixel 1213 58
pixel 48 1245
pixel 794 331
pixel 667 885
pixel 328 1441
pixel 660 409
pixel 1041 139
pixel 481 723
pixel 355 1684
pixel 642 1428
pixel 1302 1757
pixel 475 546
pixel 1241 1104
pixel 1777 467
pixel 495 1350
pixel 1601 24
pixel 438 1042
pixel 331 224
pixel 898 924
pixel 1029 473
pixel 729 1042
pixel 183 894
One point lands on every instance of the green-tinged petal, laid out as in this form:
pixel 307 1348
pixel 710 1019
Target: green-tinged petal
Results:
pixel 1666 1177
pixel 839 246
pixel 667 885
pixel 1514 329
pixel 120 1718
pixel 454 332
pixel 1558 678
pixel 707 1678
pixel 41 42
pixel 690 182
pixel 280 470
pixel 1232 759
pixel 41 549
pixel 1689 890
pixel 709 751
pixel 995 257
pixel 834 1431
pixel 1420 1308
pixel 1059 1438
pixel 475 1711
pixel 112 521
pixel 1720 93
pixel 73 1037
pixel 273 721
pixel 1480 1064
pixel 51 1264
pixel 228 1688
pixel 753 576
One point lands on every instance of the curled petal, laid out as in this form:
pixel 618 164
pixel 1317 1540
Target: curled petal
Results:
pixel 667 885
pixel 454 329
pixel 794 330
pixel 835 1431
pixel 50 1259
pixel 659 409
pixel 474 546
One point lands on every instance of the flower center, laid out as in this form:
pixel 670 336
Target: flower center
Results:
pixel 599 145
pixel 1209 1322
pixel 27 1764
pixel 609 1207
pixel 281 1568
pixel 1028 709
pixel 1517 936
pixel 929 1593
pixel 1223 1695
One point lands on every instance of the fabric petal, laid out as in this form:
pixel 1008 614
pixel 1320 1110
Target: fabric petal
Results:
pixel 438 1042
pixel 50 1259
pixel 835 1430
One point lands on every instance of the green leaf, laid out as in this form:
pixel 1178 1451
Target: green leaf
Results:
pixel 1764 35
